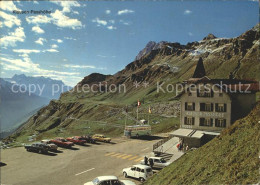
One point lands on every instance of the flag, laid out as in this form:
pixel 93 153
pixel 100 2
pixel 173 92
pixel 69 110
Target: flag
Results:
pixel 150 111
pixel 138 103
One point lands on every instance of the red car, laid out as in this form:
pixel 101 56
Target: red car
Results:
pixel 61 142
pixel 77 140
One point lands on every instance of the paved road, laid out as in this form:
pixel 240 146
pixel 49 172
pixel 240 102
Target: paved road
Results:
pixel 72 167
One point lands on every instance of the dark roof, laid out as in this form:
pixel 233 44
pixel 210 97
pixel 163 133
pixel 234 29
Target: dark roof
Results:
pixel 200 70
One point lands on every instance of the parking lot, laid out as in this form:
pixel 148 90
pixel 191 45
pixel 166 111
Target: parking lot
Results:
pixel 73 166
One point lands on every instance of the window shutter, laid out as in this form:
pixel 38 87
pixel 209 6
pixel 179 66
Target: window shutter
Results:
pixel 212 106
pixel 224 122
pixel 193 106
pixel 185 120
pixel 225 107
pixel 211 121
pixel 193 121
pixel 185 105
pixel 216 107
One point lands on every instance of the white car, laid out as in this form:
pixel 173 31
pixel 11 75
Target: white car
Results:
pixel 139 171
pixel 109 180
pixel 158 162
pixel 51 145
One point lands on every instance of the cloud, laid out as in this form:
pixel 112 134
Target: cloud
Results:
pixel 66 5
pixel 108 11
pixel 58 18
pixel 39 19
pixel 79 66
pixel 58 40
pixel 125 11
pixel 112 21
pixel 26 51
pixel 61 20
pixel 35 2
pixel 104 56
pixel 69 38
pixel 40 41
pixel 111 27
pixel 37 29
pixel 54 46
pixel 51 50
pixel 99 21
pixel 9 20
pixel 187 12
pixel 13 37
pixel 124 22
pixel 8 6
pixel 190 34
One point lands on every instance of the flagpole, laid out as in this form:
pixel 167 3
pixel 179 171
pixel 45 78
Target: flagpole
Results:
pixel 137 114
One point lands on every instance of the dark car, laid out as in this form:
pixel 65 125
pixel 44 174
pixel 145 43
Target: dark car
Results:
pixel 37 147
pixel 88 138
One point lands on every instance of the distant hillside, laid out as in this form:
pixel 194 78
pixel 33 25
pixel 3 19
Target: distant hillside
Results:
pixel 47 84
pixel 83 111
pixel 16 108
pixel 231 158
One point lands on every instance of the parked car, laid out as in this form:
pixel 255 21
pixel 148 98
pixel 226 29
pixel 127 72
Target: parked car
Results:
pixel 158 162
pixel 139 171
pixel 75 140
pixel 102 138
pixel 61 142
pixel 88 138
pixel 37 147
pixel 52 146
pixel 109 180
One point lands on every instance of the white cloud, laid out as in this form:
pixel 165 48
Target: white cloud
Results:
pixel 8 6
pixel 111 28
pixel 26 51
pixel 124 22
pixel 13 37
pixel 186 12
pixel 125 11
pixel 66 5
pixel 62 20
pixel 35 2
pixel 108 11
pixel 79 66
pixel 51 50
pixel 39 19
pixel 58 18
pixel 112 21
pixel 9 20
pixel 40 41
pixel 58 40
pixel 37 29
pixel 99 21
pixel 69 38
pixel 190 34
pixel 54 46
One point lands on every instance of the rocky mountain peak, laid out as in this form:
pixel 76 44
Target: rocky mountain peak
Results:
pixel 209 37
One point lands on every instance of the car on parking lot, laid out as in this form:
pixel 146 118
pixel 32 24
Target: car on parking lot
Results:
pixel 109 180
pixel 76 140
pixel 37 147
pixel 102 138
pixel 88 138
pixel 139 171
pixel 52 146
pixel 158 162
pixel 61 142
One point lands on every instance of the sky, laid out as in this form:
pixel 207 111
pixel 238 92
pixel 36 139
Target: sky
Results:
pixel 77 38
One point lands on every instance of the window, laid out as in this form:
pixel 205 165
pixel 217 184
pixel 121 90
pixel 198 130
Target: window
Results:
pixel 207 122
pixel 148 170
pixel 189 120
pixel 189 93
pixel 133 169
pixel 138 169
pixel 115 182
pixel 206 107
pixel 205 93
pixel 157 161
pixel 220 123
pixel 221 107
pixel 220 94
pixel 189 106
pixel 142 170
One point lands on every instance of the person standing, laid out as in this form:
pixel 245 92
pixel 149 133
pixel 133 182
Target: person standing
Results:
pixel 145 160
pixel 151 162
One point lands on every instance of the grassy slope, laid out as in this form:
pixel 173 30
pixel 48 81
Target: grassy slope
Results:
pixel 231 158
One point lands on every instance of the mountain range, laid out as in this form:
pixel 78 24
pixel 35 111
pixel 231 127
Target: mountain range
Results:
pixel 164 64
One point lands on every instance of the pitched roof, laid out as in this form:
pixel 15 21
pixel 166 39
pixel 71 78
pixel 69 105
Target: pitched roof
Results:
pixel 200 70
